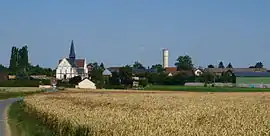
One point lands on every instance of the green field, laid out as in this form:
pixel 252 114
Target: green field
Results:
pixel 11 92
pixel 252 80
pixel 204 89
pixel 23 124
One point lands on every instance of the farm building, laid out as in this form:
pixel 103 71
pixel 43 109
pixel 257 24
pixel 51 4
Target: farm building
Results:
pixel 252 79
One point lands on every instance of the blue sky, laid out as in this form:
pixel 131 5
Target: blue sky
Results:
pixel 119 32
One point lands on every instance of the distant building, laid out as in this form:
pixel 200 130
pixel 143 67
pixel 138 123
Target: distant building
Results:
pixel 219 71
pixel 252 79
pixel 70 67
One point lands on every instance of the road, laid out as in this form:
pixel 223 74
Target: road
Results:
pixel 3 105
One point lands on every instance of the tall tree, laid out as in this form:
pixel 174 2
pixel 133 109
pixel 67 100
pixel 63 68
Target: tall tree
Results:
pixel 23 62
pixel 229 65
pixel 138 65
pixel 125 74
pixel 13 64
pixel 259 65
pixel 102 66
pixel 158 68
pixel 184 63
pixel 96 75
pixel 3 69
pixel 210 66
pixel 221 65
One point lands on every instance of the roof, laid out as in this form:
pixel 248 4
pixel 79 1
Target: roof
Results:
pixel 142 71
pixel 252 74
pixel 106 72
pixel 171 69
pixel 78 62
pixel 114 69
pixel 220 70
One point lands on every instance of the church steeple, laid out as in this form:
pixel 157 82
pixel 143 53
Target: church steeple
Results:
pixel 72 55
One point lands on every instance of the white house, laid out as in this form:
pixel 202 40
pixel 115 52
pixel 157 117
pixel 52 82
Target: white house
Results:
pixel 71 67
pixel 86 84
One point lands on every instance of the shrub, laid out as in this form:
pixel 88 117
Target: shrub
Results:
pixel 20 83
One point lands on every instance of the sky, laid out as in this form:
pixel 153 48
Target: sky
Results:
pixel 119 32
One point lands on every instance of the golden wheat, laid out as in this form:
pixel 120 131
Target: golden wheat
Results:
pixel 166 114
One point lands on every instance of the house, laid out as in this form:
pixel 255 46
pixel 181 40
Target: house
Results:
pixel 219 71
pixel 86 84
pixel 114 69
pixel 107 73
pixel 173 71
pixel 70 67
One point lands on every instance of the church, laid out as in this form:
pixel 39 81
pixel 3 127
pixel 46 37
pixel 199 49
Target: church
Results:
pixel 70 67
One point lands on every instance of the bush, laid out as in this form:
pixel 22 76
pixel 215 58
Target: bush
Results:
pixel 20 83
pixel 143 82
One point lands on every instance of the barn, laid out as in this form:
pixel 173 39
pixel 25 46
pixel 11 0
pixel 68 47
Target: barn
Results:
pixel 252 79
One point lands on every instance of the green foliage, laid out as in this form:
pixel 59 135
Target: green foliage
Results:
pixel 22 123
pixel 37 70
pixel 158 67
pixel 125 74
pixel 96 75
pixel 75 80
pixel 211 66
pixel 114 79
pixel 259 65
pixel 229 65
pixel 221 65
pixel 143 82
pixel 138 65
pixel 20 83
pixel 184 63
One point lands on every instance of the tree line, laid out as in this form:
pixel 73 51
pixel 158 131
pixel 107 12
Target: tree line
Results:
pixel 221 65
pixel 19 64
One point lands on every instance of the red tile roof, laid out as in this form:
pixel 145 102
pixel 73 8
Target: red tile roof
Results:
pixel 170 69
pixel 79 62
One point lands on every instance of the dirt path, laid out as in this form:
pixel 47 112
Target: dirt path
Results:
pixel 4 130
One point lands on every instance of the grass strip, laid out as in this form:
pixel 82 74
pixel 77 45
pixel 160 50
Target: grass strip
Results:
pixel 6 95
pixel 23 124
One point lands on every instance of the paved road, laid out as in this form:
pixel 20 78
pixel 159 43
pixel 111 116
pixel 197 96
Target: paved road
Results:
pixel 3 105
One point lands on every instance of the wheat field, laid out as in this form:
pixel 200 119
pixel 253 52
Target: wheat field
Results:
pixel 152 114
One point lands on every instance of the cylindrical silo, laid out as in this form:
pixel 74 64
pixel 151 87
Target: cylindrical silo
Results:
pixel 165 58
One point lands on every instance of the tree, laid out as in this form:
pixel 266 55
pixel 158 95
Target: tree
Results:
pixel 184 63
pixel 220 65
pixel 96 75
pixel 125 74
pixel 102 66
pixel 23 62
pixel 138 65
pixel 229 66
pixel 259 65
pixel 158 68
pixel 208 77
pixel 114 79
pixel 13 64
pixel 3 69
pixel 75 80
pixel 210 66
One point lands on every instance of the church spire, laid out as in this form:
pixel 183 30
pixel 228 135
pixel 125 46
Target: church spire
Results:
pixel 72 54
